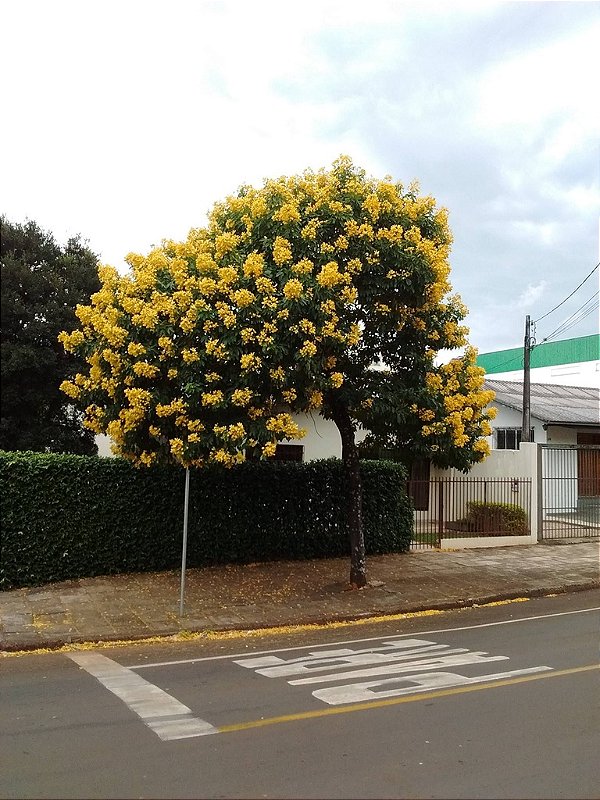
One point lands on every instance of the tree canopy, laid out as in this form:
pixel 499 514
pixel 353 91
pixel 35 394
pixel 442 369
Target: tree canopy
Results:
pixel 42 282
pixel 326 291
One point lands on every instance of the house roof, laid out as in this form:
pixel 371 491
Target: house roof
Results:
pixel 554 405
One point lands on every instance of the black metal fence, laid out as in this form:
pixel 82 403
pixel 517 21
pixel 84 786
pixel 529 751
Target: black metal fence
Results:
pixel 570 492
pixel 453 508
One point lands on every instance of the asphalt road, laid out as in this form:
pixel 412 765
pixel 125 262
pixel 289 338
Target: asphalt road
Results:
pixel 491 702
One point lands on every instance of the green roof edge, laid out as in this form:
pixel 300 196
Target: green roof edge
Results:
pixel 549 354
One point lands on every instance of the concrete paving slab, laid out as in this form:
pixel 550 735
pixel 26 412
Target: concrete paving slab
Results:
pixel 285 593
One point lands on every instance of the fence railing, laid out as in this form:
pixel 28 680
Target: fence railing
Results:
pixel 451 508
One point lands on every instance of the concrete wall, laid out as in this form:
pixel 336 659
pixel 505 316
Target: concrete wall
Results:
pixel 103 445
pixel 520 465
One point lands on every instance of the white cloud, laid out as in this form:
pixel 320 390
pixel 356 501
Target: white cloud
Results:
pixel 533 87
pixel 531 295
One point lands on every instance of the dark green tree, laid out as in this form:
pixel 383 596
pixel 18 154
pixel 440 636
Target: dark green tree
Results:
pixel 42 283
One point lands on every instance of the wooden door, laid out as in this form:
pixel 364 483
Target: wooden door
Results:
pixel 588 465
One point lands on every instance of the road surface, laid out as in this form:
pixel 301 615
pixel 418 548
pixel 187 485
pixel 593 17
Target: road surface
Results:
pixel 491 702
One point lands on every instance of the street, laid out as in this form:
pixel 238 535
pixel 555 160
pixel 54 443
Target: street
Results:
pixel 499 701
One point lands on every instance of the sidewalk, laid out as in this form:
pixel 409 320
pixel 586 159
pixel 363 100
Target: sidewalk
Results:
pixel 286 593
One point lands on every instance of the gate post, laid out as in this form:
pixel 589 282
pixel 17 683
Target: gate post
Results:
pixel 532 468
pixel 538 486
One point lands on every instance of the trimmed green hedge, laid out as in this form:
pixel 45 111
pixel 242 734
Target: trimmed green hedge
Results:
pixel 67 517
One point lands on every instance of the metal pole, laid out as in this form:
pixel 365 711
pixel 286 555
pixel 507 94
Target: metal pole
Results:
pixel 526 423
pixel 440 509
pixel 186 503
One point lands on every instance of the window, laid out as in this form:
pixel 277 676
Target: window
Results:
pixel 509 438
pixel 283 452
pixel 289 452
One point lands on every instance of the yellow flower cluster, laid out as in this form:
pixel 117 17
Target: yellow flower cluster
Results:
pixel 308 349
pixel 212 398
pixel 145 370
pixel 243 298
pixel 264 289
pixel 70 389
pixel 329 275
pixel 189 355
pixel 282 252
pixel 176 406
pixel 284 424
pixel 292 289
pixel 254 265
pixel 269 449
pixel 287 213
pixel 250 362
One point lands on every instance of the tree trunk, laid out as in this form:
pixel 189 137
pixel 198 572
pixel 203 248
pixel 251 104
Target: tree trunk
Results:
pixel 358 572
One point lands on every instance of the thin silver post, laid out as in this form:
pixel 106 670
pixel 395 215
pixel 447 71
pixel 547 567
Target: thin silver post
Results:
pixel 185 534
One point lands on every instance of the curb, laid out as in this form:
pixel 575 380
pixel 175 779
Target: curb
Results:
pixel 314 621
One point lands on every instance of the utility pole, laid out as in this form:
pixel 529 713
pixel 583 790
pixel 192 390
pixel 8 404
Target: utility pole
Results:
pixel 527 348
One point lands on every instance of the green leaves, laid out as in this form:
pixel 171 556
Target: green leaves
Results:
pixel 91 516
pixel 42 283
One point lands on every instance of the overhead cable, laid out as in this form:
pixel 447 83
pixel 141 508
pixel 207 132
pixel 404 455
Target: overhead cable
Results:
pixel 571 295
pixel 590 305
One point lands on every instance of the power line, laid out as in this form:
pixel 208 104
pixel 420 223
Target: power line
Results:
pixel 582 312
pixel 581 317
pixel 571 295
pixel 577 316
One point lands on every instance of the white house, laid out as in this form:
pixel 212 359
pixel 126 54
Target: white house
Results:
pixel 322 440
pixel 559 414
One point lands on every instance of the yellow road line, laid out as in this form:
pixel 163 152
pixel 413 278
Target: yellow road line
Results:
pixel 393 701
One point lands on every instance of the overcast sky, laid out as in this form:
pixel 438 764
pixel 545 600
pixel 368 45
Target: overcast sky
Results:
pixel 124 121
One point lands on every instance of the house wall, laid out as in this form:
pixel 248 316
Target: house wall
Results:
pixel 511 418
pixel 519 465
pixel 558 434
pixel 558 494
pixel 103 445
pixel 322 438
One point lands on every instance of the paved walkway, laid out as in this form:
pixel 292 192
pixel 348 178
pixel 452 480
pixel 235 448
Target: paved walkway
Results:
pixel 286 593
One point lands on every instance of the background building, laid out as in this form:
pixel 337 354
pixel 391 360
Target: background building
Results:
pixel 570 362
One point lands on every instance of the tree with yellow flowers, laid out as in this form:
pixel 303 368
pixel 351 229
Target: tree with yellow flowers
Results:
pixel 327 291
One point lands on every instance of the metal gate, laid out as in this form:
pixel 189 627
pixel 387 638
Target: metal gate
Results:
pixel 456 508
pixel 570 492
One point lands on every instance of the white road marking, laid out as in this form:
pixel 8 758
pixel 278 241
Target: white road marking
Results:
pixel 400 651
pixel 357 641
pixel 163 714
pixel 423 682
pixel 397 657
pixel 415 666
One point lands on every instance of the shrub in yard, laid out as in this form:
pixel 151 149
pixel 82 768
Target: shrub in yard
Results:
pixel 496 518
pixel 67 517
